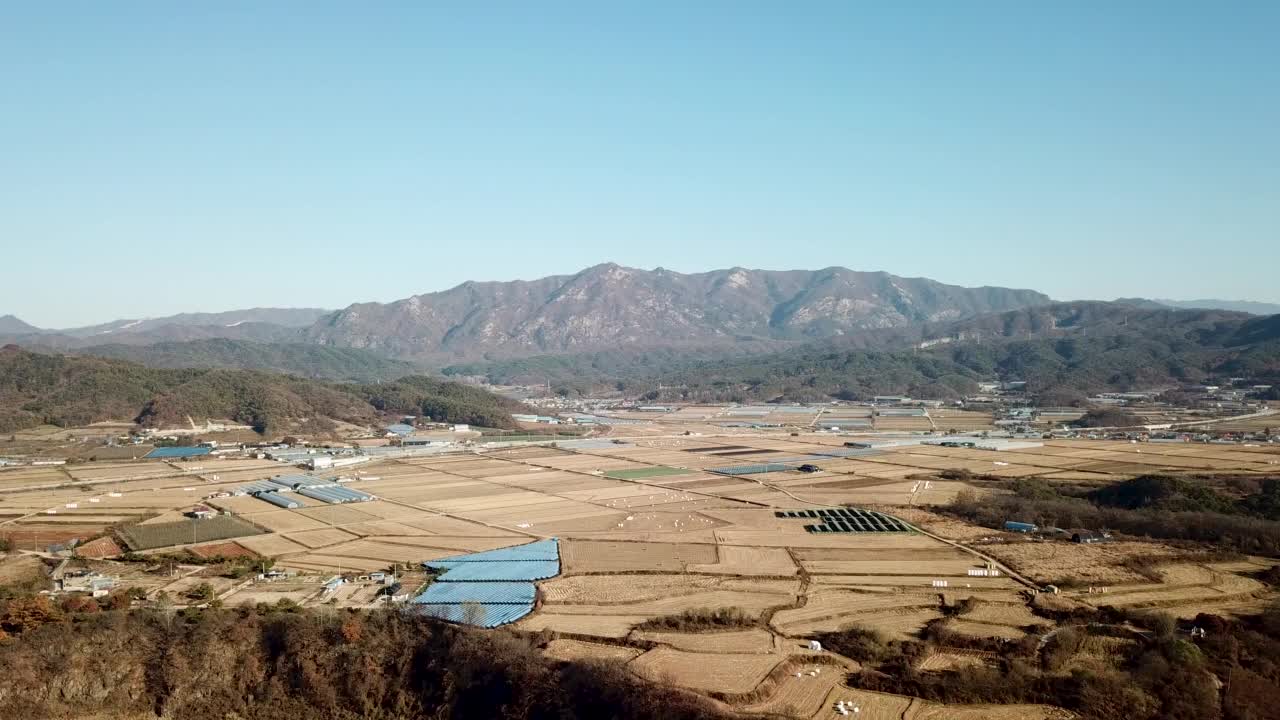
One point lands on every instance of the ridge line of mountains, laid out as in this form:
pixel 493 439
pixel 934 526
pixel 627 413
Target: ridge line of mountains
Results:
pixel 730 334
pixel 605 307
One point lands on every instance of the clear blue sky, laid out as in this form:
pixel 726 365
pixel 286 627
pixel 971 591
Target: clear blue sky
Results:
pixel 164 157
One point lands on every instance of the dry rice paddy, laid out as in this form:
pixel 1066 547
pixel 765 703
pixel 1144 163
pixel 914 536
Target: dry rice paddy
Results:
pixel 640 542
pixel 577 650
pixel 729 641
pixel 724 673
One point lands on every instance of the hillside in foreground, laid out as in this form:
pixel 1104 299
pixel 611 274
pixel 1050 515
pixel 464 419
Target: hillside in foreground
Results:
pixel 68 391
pixel 215 665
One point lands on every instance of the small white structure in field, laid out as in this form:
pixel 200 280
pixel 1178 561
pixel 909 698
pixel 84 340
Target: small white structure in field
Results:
pixel 939 583
pixel 815 646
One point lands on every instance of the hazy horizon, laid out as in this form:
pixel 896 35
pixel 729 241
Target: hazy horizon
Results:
pixel 163 159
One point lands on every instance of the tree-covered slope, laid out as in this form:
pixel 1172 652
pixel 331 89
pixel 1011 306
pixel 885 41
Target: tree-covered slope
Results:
pixel 312 361
pixel 1080 348
pixel 64 390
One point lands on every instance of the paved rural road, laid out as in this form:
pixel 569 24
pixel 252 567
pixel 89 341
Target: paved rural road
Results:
pixel 976 553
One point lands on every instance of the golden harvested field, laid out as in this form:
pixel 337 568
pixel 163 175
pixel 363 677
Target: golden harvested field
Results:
pixel 636 548
pixel 1097 564
pixel 752 603
pixel 715 672
pixel 737 560
pixel 871 706
pixel 272 545
pixel 387 553
pixel 935 568
pixel 834 609
pixel 912 583
pixel 285 521
pixel 980 629
pixel 611 626
pixel 729 641
pixel 458 545
pixel 593 556
pixel 1018 615
pixel 329 564
pixel 442 525
pixel 579 650
pixel 1184 587
pixel 335 514
pixel 320 538
pixel 940 660
pixel 598 589
pixel 799 697
pixel 385 527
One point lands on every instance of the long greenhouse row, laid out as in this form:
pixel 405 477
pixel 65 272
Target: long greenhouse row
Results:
pixel 489 588
pixel 274 491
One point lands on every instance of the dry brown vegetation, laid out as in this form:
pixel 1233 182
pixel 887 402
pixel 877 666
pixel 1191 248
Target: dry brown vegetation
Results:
pixel 220 664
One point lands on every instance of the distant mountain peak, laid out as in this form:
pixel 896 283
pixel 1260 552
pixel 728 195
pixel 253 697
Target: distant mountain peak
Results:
pixel 12 325
pixel 611 306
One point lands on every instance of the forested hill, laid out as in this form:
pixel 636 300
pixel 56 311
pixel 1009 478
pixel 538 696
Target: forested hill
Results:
pixel 65 390
pixel 1076 348
pixel 311 361
pixel 1141 350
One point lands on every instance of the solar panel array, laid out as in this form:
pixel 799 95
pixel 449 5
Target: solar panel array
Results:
pixel 489 588
pixel 846 520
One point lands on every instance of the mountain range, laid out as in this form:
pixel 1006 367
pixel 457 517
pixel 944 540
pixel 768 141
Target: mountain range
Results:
pixel 1060 349
pixel 602 307
pixel 1244 306
pixel 613 322
pixel 255 324
pixel 609 306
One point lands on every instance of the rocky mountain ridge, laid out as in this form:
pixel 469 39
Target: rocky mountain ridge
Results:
pixel 610 306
